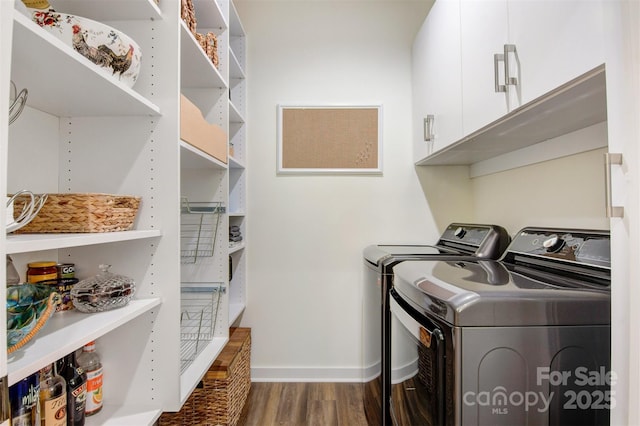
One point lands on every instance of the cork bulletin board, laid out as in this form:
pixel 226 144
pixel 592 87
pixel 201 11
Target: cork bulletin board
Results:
pixel 330 139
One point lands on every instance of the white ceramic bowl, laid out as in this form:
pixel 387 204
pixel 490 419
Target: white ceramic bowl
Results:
pixel 110 50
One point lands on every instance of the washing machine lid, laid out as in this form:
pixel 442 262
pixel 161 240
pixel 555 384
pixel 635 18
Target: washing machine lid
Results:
pixel 540 281
pixel 380 254
pixel 470 240
pixel 486 293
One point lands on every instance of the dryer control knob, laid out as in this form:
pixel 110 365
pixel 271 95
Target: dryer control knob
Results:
pixel 553 244
pixel 460 232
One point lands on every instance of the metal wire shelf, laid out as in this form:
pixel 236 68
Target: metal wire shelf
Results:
pixel 199 224
pixel 199 305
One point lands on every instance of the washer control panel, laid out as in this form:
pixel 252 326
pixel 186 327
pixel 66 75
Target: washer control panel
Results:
pixel 469 234
pixel 586 247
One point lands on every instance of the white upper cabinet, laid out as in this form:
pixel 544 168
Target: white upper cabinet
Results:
pixel 436 73
pixel 556 42
pixel 484 32
pixel 476 61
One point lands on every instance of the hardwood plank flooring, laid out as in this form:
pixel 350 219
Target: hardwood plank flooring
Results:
pixel 304 404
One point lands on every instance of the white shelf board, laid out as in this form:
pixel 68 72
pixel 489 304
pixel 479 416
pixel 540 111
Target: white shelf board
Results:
pixel 196 69
pixel 118 415
pixel 235 310
pixel 236 248
pixel 209 14
pixel 197 369
pixel 234 163
pixel 112 10
pixel 234 115
pixel 59 93
pixel 236 73
pixel 237 214
pixel 67 331
pixel 193 158
pixel 24 243
pixel 236 28
pixel 575 105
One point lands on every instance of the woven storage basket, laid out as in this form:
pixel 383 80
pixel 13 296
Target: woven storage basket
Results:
pixel 63 213
pixel 188 15
pixel 209 44
pixel 220 397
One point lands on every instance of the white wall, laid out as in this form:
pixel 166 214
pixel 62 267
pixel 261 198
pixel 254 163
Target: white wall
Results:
pixel 566 192
pixel 305 234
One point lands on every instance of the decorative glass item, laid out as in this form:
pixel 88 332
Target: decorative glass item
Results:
pixel 29 307
pixel 13 278
pixel 113 52
pixel 103 292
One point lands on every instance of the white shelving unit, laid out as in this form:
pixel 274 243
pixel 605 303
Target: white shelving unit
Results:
pixel 237 164
pixel 82 131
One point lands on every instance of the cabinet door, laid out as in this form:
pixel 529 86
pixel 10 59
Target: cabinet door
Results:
pixel 622 41
pixel 483 34
pixel 556 41
pixel 436 78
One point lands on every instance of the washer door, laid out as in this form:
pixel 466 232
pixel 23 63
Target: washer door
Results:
pixel 417 367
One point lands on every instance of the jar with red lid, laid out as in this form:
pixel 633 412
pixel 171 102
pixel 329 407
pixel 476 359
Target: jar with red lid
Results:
pixel 42 271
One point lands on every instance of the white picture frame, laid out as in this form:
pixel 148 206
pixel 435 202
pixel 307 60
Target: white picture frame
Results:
pixel 329 139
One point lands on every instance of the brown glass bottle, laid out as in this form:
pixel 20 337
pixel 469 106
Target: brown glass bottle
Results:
pixel 76 380
pixel 53 398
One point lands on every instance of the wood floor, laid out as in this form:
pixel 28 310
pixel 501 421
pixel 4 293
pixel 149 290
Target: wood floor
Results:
pixel 304 404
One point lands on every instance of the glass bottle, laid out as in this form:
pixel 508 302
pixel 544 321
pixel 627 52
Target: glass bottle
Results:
pixel 76 380
pixel 89 361
pixel 13 278
pixel 24 397
pixel 53 398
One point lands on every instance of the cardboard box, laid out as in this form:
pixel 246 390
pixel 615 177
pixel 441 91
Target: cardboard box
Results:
pixel 196 131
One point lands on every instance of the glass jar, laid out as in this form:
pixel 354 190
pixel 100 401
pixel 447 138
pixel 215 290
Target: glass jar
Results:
pixel 41 271
pixel 103 292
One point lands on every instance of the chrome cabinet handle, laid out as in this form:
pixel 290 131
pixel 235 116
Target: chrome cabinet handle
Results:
pixel 504 57
pixel 508 80
pixel 497 58
pixel 609 160
pixel 428 128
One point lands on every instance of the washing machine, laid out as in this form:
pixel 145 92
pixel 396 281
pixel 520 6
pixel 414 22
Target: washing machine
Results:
pixel 459 241
pixel 522 340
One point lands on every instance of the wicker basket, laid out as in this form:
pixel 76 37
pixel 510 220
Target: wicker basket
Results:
pixel 64 213
pixel 188 15
pixel 220 397
pixel 209 44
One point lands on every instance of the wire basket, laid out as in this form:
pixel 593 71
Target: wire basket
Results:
pixel 199 305
pixel 199 225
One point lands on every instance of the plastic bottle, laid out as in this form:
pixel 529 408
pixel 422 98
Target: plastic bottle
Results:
pixel 89 361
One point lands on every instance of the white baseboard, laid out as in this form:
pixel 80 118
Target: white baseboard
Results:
pixel 272 374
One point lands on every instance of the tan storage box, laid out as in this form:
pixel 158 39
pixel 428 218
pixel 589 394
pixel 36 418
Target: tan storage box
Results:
pixel 196 131
pixel 221 396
